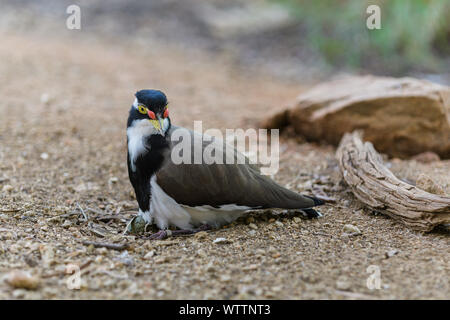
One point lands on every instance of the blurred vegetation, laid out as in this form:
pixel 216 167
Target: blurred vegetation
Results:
pixel 415 34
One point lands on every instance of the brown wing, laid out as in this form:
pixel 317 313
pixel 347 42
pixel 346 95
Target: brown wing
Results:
pixel 220 184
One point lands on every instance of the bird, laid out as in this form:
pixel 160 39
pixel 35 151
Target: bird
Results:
pixel 194 196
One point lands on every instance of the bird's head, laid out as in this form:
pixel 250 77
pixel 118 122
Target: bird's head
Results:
pixel 150 109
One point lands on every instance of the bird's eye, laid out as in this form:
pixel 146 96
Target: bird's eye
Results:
pixel 166 113
pixel 142 109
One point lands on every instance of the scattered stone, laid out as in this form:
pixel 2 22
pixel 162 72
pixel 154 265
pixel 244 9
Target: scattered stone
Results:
pixel 252 233
pixel 276 255
pixel 7 188
pixel 279 223
pixel 44 156
pixel 149 255
pixel 22 279
pixel 45 98
pixel 201 235
pixel 162 259
pixel 343 285
pixel 253 226
pixel 250 267
pixel 225 278
pixel 113 180
pixel 427 184
pixel 297 220
pixel 221 241
pixel 351 229
pixel 67 224
pixel 90 186
pixel 391 253
pixel 126 259
pixel 210 267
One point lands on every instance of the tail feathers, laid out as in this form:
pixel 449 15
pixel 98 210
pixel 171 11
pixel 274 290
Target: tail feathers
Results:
pixel 311 213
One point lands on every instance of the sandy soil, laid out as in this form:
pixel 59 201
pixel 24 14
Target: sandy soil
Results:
pixel 63 153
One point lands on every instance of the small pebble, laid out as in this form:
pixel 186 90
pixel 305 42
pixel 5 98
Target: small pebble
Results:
pixel 113 180
pixel 225 278
pixel 22 279
pixel 210 267
pixel 67 224
pixel 44 156
pixel 7 188
pixel 149 255
pixel 201 235
pixel 221 241
pixel 297 220
pixel 278 223
pixel 253 226
pixel 349 228
pixel 391 253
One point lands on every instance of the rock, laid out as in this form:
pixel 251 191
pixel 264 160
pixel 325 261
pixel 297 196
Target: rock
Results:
pixel 90 186
pixel 201 235
pixel 343 284
pixel 297 220
pixel 67 224
pixel 7 188
pixel 253 226
pixel 44 156
pixel 149 255
pixel 279 223
pixel 163 259
pixel 221 241
pixel 391 253
pixel 427 184
pixel 126 259
pixel 113 180
pixel 210 268
pixel 22 280
pixel 349 228
pixel 225 278
pixel 400 116
pixel 45 98
pixel 426 157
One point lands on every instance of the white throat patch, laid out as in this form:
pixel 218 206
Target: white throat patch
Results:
pixel 136 133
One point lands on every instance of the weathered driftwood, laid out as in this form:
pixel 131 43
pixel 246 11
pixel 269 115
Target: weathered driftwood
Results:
pixel 376 186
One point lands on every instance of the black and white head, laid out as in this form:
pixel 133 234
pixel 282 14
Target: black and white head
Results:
pixel 149 113
pixel 147 126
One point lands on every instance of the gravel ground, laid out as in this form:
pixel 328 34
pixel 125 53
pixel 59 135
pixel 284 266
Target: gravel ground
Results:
pixel 63 181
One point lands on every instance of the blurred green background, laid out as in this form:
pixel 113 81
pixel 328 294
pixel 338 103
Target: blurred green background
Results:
pixel 415 34
pixel 303 40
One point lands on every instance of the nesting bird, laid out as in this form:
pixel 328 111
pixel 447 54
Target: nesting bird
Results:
pixel 192 196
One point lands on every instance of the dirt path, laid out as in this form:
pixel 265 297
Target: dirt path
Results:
pixel 62 151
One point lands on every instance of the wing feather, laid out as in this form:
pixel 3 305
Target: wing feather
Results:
pixel 218 184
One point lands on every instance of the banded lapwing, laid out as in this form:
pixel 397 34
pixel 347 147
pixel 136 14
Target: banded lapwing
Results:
pixel 190 195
